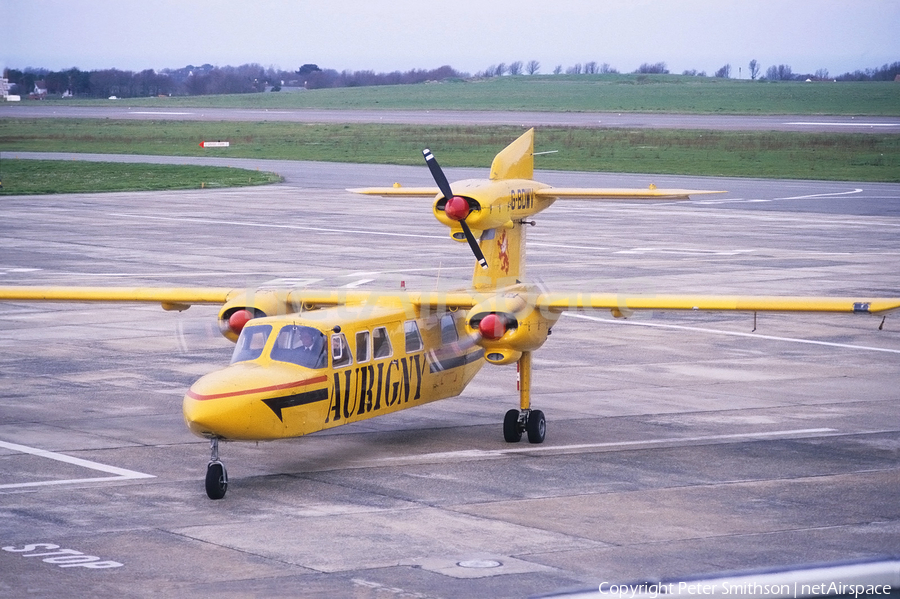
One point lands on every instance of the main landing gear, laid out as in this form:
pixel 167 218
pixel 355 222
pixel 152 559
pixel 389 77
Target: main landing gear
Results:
pixel 524 420
pixel 216 475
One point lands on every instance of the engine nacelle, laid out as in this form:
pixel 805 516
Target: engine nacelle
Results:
pixel 509 325
pixel 257 304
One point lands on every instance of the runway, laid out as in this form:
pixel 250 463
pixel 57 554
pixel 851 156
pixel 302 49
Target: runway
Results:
pixel 677 444
pixel 631 120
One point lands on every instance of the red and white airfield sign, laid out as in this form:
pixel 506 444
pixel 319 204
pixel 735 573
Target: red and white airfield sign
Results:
pixel 214 144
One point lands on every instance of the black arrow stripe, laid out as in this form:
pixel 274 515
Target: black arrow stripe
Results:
pixel 277 404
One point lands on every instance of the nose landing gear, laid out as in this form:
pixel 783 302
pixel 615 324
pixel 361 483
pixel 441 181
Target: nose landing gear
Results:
pixel 216 475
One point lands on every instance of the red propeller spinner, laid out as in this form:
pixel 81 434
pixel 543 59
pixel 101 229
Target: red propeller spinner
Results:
pixel 456 208
pixel 492 327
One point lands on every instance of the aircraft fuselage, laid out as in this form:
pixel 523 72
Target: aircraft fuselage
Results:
pixel 363 361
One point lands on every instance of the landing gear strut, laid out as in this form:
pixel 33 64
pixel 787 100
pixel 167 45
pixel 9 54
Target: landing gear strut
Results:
pixel 216 475
pixel 524 419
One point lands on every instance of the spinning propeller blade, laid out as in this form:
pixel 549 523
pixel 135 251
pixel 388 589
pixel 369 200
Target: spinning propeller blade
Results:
pixel 444 186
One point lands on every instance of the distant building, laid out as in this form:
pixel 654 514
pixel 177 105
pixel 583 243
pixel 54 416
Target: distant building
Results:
pixel 40 91
pixel 4 87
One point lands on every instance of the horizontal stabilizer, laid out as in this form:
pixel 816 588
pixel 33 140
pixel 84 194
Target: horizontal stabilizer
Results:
pixel 398 191
pixel 587 193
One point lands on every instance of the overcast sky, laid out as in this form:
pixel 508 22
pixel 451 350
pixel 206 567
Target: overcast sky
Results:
pixel 469 35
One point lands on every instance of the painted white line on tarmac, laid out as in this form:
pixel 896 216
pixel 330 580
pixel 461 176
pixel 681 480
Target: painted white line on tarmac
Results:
pixel 210 221
pixel 732 333
pixel 673 441
pixel 356 284
pixel 161 113
pixel 120 473
pixel 813 124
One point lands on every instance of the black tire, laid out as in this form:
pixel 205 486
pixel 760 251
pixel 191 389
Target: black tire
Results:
pixel 216 480
pixel 536 427
pixel 511 431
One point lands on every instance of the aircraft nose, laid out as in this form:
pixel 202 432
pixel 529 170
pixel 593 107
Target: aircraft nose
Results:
pixel 247 402
pixel 219 404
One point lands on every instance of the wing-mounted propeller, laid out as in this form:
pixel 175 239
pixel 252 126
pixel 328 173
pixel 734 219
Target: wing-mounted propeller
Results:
pixel 493 326
pixel 457 208
pixel 508 324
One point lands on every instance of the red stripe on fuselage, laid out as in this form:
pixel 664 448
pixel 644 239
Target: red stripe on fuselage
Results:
pixel 318 379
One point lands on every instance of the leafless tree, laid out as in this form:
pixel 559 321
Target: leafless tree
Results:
pixel 781 72
pixel 754 69
pixel 533 67
pixel 656 68
pixel 724 72
pixel 574 70
pixel 515 68
pixel 557 69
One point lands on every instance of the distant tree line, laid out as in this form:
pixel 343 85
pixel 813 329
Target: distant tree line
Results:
pixel 780 72
pixel 206 80
pixel 253 78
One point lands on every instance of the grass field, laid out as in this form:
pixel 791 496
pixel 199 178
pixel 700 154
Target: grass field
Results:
pixel 721 153
pixel 21 177
pixel 582 93
pixel 835 156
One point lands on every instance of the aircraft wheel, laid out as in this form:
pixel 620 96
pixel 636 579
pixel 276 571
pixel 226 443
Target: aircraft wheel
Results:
pixel 216 480
pixel 536 426
pixel 511 431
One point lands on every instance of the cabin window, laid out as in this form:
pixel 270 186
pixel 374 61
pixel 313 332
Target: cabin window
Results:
pixel 340 351
pixel 448 330
pixel 362 346
pixel 250 344
pixel 413 337
pixel 381 344
pixel 304 346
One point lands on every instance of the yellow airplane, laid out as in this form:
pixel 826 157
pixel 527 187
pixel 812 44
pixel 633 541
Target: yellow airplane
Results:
pixel 308 360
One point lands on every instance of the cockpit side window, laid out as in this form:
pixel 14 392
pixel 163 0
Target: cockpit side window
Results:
pixel 413 337
pixel 340 351
pixel 448 330
pixel 381 343
pixel 304 346
pixel 362 346
pixel 250 344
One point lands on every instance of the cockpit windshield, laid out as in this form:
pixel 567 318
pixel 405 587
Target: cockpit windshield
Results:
pixel 251 343
pixel 304 346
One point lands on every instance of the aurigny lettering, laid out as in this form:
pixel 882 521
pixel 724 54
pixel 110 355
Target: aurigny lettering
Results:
pixel 358 391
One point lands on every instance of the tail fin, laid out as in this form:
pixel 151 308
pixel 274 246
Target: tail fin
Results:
pixel 515 161
pixel 504 248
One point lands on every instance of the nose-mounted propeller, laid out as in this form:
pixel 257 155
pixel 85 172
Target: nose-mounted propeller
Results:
pixel 457 208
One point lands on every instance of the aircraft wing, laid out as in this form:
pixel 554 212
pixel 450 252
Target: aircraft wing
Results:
pixel 588 193
pixel 172 298
pixel 623 304
pixel 398 191
pixel 180 298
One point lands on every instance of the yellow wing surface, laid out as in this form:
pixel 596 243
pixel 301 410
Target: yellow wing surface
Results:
pixel 559 193
pixel 398 191
pixel 181 298
pixel 740 303
pixel 589 193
